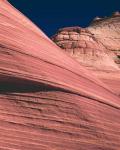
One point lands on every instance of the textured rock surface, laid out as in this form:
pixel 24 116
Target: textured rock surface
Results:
pixel 96 47
pixel 48 101
pixel 85 48
pixel 107 31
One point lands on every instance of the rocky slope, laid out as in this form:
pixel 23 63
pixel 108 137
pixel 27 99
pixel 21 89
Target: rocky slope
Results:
pixel 48 101
pixel 96 47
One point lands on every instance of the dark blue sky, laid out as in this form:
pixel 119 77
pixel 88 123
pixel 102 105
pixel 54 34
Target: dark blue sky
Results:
pixel 51 15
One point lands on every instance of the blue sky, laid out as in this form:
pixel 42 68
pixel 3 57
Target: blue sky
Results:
pixel 50 15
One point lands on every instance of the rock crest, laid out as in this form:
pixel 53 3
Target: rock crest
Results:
pixel 96 47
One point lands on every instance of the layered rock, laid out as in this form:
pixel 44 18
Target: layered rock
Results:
pixel 96 47
pixel 81 44
pixel 48 101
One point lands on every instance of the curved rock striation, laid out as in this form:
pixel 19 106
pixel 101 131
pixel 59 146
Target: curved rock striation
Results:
pixel 48 101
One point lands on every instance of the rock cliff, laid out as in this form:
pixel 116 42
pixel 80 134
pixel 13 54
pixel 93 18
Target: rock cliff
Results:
pixel 96 47
pixel 83 45
pixel 48 101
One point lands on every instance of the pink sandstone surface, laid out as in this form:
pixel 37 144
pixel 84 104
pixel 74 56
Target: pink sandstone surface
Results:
pixel 48 101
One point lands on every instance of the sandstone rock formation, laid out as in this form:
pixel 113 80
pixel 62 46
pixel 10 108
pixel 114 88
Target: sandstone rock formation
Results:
pixel 107 31
pixel 96 47
pixel 85 48
pixel 48 101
